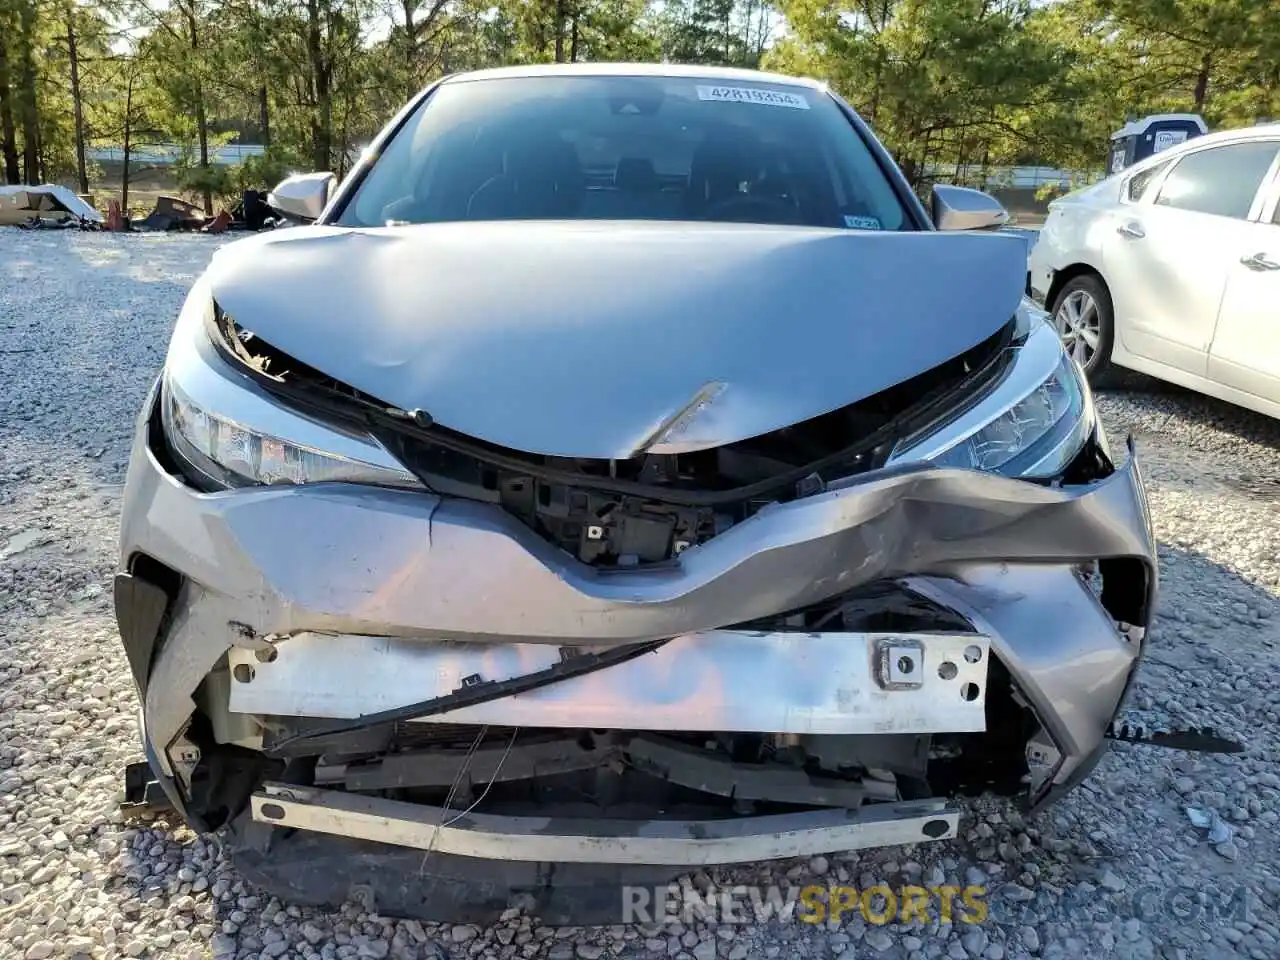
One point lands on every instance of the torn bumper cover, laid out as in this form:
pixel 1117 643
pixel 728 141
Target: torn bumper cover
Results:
pixel 256 614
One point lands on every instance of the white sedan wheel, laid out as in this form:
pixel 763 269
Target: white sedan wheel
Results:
pixel 1079 324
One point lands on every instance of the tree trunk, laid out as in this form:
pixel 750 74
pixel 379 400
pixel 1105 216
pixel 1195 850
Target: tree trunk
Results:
pixel 27 110
pixel 128 133
pixel 8 135
pixel 202 119
pixel 1202 82
pixel 573 40
pixel 876 87
pixel 559 27
pixel 77 103
pixel 259 65
pixel 202 127
pixel 264 115
pixel 922 166
pixel 410 8
pixel 344 142
pixel 322 118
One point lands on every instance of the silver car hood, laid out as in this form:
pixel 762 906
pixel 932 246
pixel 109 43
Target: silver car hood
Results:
pixel 601 340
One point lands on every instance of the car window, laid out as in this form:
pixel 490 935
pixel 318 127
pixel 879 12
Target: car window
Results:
pixel 1138 183
pixel 628 148
pixel 1221 180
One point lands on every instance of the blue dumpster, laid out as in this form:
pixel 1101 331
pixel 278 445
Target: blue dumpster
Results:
pixel 1139 139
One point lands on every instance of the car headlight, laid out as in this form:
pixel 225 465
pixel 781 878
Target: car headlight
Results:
pixel 1032 424
pixel 230 432
pixel 239 455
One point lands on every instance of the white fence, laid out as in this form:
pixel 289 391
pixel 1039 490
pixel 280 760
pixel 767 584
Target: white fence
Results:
pixel 166 153
pixel 1025 177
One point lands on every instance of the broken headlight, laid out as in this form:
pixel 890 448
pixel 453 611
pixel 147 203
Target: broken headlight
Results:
pixel 228 432
pixel 1032 424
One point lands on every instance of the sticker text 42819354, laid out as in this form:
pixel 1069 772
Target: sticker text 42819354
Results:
pixel 770 98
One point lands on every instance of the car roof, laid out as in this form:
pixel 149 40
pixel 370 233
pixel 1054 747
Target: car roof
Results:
pixel 1234 135
pixel 1257 132
pixel 689 71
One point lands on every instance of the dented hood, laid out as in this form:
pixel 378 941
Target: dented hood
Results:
pixel 603 339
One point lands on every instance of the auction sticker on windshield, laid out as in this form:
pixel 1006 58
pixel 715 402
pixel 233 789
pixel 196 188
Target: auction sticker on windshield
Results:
pixel 772 98
pixel 854 222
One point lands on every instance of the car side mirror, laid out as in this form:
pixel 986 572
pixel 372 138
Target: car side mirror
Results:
pixel 302 196
pixel 960 208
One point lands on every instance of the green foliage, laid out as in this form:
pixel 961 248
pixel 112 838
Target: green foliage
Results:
pixel 957 86
pixel 261 173
pixel 953 87
pixel 194 178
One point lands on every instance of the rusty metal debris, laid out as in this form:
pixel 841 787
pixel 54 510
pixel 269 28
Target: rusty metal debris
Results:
pixel 171 213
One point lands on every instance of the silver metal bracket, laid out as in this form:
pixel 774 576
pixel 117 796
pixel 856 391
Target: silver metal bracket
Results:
pixel 722 680
pixel 184 757
pixel 900 664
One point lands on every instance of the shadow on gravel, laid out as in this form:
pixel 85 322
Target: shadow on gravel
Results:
pixel 151 258
pixel 1140 390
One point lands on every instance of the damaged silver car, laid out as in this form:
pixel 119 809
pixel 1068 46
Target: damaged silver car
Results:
pixel 623 469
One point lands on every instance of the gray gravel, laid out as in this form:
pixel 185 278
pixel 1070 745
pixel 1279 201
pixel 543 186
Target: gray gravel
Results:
pixel 1118 869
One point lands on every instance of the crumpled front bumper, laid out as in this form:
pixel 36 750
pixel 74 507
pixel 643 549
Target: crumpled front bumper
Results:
pixel 380 570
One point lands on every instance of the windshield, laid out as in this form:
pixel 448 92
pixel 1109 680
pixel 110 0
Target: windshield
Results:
pixel 627 148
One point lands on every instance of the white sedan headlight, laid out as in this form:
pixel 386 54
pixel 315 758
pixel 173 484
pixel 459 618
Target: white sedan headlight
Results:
pixel 232 433
pixel 1032 424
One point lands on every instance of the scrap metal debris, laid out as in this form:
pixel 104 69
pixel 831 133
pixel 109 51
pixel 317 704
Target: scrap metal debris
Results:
pixel 48 205
pixel 250 212
pixel 172 213
pixel 52 206
pixel 1194 740
pixel 142 792
pixel 115 218
pixel 1219 830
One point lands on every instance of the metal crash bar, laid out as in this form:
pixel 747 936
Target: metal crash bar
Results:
pixel 555 840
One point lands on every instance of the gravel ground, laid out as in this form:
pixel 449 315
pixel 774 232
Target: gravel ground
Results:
pixel 84 319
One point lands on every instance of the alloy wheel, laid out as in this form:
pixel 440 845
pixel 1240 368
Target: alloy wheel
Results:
pixel 1079 324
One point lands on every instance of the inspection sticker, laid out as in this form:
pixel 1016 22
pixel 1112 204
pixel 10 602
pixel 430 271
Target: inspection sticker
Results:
pixel 861 223
pixel 772 98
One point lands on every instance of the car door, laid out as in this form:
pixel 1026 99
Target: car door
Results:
pixel 1246 344
pixel 1168 257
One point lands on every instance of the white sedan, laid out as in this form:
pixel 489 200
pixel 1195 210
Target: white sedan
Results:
pixel 1172 268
